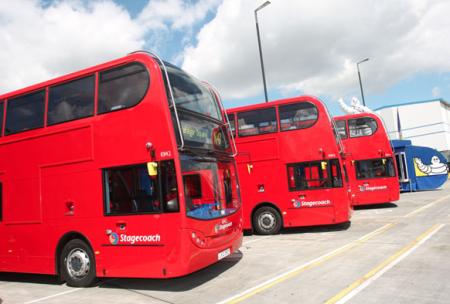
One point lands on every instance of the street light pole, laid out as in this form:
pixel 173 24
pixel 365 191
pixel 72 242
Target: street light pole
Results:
pixel 259 45
pixel 360 83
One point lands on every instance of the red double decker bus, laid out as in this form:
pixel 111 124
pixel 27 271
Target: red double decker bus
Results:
pixel 124 169
pixel 369 158
pixel 289 165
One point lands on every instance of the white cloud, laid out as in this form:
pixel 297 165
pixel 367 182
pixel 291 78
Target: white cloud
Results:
pixel 311 47
pixel 39 43
pixel 171 24
pixel 436 92
pixel 175 14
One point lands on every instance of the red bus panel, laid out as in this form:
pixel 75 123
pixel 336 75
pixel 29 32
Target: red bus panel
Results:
pixel 94 170
pixel 369 159
pixel 289 165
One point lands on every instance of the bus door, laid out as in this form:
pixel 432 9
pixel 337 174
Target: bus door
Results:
pixel 402 167
pixel 8 256
pixel 139 200
pixel 312 187
pixel 9 242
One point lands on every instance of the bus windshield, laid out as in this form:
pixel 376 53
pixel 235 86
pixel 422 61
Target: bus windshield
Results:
pixel 190 94
pixel 199 113
pixel 210 186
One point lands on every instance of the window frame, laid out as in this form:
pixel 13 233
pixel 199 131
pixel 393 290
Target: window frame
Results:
pixel 94 104
pixel 297 103
pixel 99 82
pixel 43 91
pixel 345 128
pixel 329 163
pixel 364 117
pixel 256 110
pixel 160 191
pixel 375 177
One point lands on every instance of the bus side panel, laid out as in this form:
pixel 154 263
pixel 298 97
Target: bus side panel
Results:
pixel 374 190
pixel 377 145
pixel 29 208
pixel 259 184
pixel 257 173
pixel 129 258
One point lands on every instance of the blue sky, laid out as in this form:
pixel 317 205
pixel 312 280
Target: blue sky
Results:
pixel 308 48
pixel 412 87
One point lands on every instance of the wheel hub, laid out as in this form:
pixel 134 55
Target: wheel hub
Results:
pixel 78 263
pixel 267 221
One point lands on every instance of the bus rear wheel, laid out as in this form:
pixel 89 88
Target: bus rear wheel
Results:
pixel 77 264
pixel 267 220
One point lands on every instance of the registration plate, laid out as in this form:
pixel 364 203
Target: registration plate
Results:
pixel 223 254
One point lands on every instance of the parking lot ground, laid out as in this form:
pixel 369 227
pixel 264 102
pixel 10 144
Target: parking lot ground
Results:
pixel 395 253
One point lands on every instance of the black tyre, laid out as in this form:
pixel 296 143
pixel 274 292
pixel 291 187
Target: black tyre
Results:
pixel 266 220
pixel 77 264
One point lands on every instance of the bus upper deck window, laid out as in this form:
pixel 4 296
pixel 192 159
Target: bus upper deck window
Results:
pixel 25 112
pixel 341 128
pixel 297 116
pixel 122 87
pixel 71 100
pixel 256 122
pixel 363 126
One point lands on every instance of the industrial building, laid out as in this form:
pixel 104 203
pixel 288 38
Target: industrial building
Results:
pixel 425 123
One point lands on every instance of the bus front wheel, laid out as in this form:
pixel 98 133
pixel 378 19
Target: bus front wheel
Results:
pixel 267 220
pixel 77 264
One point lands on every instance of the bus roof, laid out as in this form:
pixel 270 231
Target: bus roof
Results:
pixel 302 98
pixel 60 79
pixel 357 115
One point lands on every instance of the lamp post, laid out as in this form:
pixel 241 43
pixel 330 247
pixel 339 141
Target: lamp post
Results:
pixel 360 83
pixel 259 45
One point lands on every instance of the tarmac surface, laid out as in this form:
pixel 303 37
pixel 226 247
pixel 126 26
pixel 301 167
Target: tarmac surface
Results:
pixel 391 253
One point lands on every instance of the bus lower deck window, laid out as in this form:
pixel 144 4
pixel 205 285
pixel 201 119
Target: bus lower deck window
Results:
pixel 314 175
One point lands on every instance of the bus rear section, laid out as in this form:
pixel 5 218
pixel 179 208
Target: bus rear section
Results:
pixel 120 170
pixel 369 158
pixel 289 165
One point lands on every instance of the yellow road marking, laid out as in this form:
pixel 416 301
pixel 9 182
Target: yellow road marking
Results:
pixel 347 293
pixel 427 206
pixel 294 272
pixel 318 261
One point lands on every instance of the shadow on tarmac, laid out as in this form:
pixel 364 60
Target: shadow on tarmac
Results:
pixel 310 229
pixel 176 284
pixel 30 278
pixel 375 206
pixel 317 229
pixel 185 283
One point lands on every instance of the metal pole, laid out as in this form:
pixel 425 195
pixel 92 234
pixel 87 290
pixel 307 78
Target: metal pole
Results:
pixel 260 49
pixel 360 83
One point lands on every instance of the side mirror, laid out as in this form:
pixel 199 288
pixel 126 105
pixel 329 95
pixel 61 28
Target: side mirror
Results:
pixel 172 205
pixel 152 168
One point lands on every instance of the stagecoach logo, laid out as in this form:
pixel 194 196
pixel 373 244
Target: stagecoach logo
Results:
pixel 296 203
pixel 321 203
pixel 363 188
pixel 222 226
pixel 115 238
